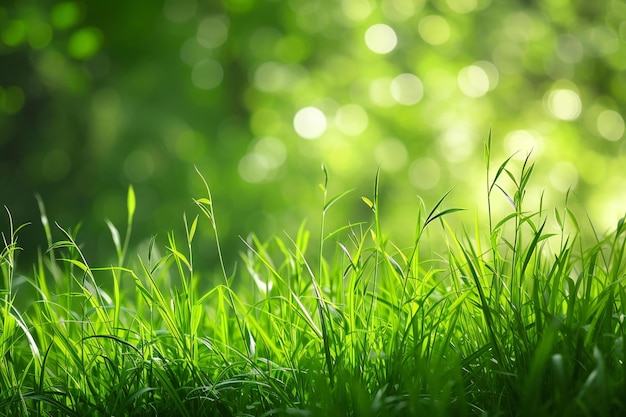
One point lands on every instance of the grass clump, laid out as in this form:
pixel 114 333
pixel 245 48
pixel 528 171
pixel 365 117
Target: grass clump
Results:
pixel 508 320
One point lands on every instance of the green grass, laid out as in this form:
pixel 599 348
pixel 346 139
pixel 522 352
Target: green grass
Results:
pixel 507 319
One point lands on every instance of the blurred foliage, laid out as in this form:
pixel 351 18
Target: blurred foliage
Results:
pixel 257 94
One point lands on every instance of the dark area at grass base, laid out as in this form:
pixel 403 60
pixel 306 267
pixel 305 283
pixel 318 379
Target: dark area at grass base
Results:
pixel 406 393
pixel 513 321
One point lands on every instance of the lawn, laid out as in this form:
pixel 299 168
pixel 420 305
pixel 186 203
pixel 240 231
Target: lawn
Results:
pixel 505 319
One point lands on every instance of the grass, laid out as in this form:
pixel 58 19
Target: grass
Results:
pixel 507 320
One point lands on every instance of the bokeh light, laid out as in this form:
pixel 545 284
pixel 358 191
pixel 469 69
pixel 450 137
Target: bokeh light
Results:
pixel 381 38
pixel 473 81
pixel 600 40
pixel 391 155
pixel 478 79
pixel 40 35
pixel 189 146
pixel 563 176
pixel 434 29
pixel 65 14
pixel 84 43
pixel 274 76
pixel 569 49
pixel 351 119
pixel 521 143
pixel 424 173
pixel 180 11
pixel 401 10
pixel 610 125
pixel 407 89
pixel 212 31
pixel 456 144
pixel 563 104
pixel 380 92
pixel 207 74
pixel 13 33
pixel 310 123
pixel 462 6
pixel 356 10
pixel 139 166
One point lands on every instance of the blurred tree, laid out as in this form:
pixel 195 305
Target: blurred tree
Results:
pixel 257 94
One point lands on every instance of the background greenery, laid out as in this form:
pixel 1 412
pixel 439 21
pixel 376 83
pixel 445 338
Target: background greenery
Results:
pixel 258 94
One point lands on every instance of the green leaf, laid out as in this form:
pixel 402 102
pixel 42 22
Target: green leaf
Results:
pixel 325 185
pixel 531 248
pixel 131 202
pixel 180 256
pixel 443 213
pixel 79 264
pixel 501 168
pixel 192 231
pixel 572 217
pixel 204 201
pixel 488 150
pixel 395 266
pixel 432 216
pixel 558 218
pixel 115 235
pixel 507 197
pixel 342 228
pixel 335 199
pixel 368 202
pixel 512 177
